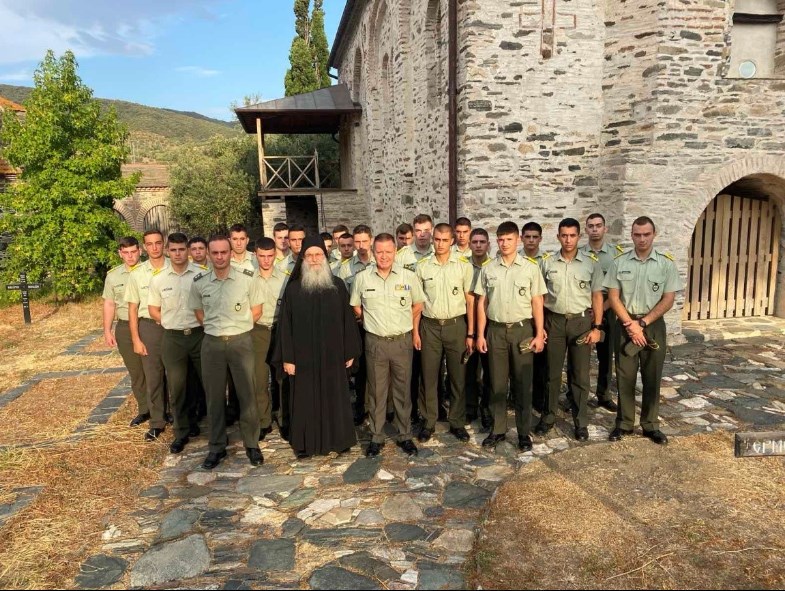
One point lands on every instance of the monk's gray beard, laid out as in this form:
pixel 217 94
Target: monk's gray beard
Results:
pixel 317 279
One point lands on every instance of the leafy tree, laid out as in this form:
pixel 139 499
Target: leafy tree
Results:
pixel 321 51
pixel 215 186
pixel 64 229
pixel 309 53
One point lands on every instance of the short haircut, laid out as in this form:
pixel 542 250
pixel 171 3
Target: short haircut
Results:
pixel 570 223
pixel 643 220
pixel 128 242
pixel 383 237
pixel 479 232
pixel 362 229
pixel 463 222
pixel 296 228
pixel 340 228
pixel 280 227
pixel 346 235
pixel 422 218
pixel 218 238
pixel 152 231
pixel 531 227
pixel 236 228
pixel 326 236
pixel 196 239
pixel 177 238
pixel 506 228
pixel 441 228
pixel 596 215
pixel 265 244
pixel 404 228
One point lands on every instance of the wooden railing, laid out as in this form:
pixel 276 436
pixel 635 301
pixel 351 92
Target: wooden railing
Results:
pixel 305 173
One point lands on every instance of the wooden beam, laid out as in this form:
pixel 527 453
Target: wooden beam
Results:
pixel 260 146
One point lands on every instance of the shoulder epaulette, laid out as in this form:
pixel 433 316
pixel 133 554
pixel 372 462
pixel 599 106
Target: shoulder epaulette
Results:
pixel 593 257
pixel 545 255
pixel 619 248
pixel 620 254
pixel 287 272
pixel 531 260
pixel 199 276
pixel 247 272
pixel 118 266
pixel 667 255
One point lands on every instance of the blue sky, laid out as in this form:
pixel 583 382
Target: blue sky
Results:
pixel 190 55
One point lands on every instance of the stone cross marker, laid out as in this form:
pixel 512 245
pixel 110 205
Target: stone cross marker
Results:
pixel 751 445
pixel 24 287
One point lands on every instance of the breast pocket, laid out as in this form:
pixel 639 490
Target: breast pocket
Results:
pixel 372 300
pixel 656 283
pixel 522 290
pixel 583 280
pixel 403 298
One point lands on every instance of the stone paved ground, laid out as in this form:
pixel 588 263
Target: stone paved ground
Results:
pixel 347 522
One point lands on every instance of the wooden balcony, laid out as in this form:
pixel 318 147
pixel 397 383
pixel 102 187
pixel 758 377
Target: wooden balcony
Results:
pixel 290 175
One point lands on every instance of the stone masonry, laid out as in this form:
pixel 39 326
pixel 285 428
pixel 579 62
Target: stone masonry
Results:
pixel 564 107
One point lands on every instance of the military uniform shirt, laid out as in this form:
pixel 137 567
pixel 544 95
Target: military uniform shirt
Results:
pixel 272 289
pixel 114 289
pixel 206 266
pixel 408 256
pixel 510 289
pixel 387 303
pixel 348 269
pixel 476 269
pixel 170 291
pixel 139 286
pixel 445 286
pixel 642 282
pixel 286 266
pixel 605 255
pixel 466 252
pixel 226 302
pixel 249 262
pixel 570 283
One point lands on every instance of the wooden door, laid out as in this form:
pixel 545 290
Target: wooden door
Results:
pixel 733 259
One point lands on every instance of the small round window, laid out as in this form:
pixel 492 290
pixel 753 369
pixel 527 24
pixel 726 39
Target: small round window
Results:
pixel 747 69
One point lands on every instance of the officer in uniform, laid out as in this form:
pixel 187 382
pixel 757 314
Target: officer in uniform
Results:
pixel 272 283
pixel 345 252
pixel 167 303
pixel 115 305
pixel 446 326
pixel 478 373
pixel 531 236
pixel 642 286
pixel 296 237
pixel 573 319
pixel 404 235
pixel 463 230
pixel 605 252
pixel 242 258
pixel 510 293
pixel 388 299
pixel 197 250
pixel 146 333
pixel 281 239
pixel 228 302
pixel 336 254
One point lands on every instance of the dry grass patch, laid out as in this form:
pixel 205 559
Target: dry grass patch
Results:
pixel 26 350
pixel 87 485
pixel 633 515
pixel 52 409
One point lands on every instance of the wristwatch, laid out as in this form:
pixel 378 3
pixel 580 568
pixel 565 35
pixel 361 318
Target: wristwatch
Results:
pixel 596 326
pixel 471 336
pixel 643 323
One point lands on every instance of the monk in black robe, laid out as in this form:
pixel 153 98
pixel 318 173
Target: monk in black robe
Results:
pixel 317 341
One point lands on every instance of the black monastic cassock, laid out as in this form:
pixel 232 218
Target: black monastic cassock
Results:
pixel 317 332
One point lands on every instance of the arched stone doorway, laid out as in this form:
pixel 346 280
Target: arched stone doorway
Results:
pixel 736 253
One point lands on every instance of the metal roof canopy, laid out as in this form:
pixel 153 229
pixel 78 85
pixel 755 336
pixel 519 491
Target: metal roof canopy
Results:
pixel 319 111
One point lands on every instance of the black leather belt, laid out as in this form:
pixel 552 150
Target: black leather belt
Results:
pixel 585 314
pixel 186 331
pixel 230 337
pixel 392 338
pixel 444 322
pixel 507 324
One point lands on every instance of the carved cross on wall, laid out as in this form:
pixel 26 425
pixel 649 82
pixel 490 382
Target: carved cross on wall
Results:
pixel 552 21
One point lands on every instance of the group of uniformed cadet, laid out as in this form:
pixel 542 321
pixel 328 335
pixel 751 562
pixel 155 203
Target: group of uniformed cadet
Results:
pixel 430 302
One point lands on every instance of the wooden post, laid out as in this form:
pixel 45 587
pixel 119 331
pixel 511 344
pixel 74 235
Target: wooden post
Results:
pixel 260 145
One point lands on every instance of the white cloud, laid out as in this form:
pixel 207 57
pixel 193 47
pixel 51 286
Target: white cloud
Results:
pixel 198 71
pixel 89 27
